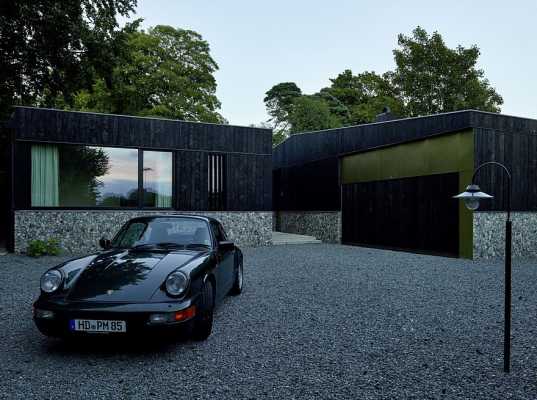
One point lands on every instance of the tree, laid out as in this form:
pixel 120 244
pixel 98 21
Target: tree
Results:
pixel 279 101
pixel 311 113
pixel 432 78
pixel 164 72
pixel 358 99
pixel 429 78
pixel 49 49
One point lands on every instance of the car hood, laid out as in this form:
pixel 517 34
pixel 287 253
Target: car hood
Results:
pixel 127 276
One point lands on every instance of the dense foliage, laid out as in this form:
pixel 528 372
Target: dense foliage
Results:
pixel 49 49
pixel 165 72
pixel 73 54
pixel 429 78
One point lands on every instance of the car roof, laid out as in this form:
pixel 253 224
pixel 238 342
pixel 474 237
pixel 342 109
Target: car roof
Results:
pixel 191 216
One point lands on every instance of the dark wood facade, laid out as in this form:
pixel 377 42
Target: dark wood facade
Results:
pixel 247 153
pixel 415 214
pixel 497 137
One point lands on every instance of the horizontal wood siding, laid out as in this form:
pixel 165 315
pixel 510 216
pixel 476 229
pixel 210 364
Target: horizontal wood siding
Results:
pixel 34 124
pixel 247 152
pixel 503 138
pixel 518 151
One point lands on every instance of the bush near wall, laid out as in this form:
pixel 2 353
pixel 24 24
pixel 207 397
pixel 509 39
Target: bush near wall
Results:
pixel 38 248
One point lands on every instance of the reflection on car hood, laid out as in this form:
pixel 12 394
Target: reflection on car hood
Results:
pixel 127 276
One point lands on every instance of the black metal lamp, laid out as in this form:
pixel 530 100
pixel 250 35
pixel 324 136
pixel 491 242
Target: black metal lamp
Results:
pixel 472 196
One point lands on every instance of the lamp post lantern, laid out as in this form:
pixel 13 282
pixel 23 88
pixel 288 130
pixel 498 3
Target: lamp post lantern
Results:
pixel 472 197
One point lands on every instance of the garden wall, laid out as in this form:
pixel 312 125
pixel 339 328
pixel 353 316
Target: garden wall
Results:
pixel 80 231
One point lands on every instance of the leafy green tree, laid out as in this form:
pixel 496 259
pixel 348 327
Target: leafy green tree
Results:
pixel 429 78
pixel 279 101
pixel 311 113
pixel 49 49
pixel 164 72
pixel 358 99
pixel 432 78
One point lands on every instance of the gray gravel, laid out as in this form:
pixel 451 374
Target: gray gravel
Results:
pixel 315 321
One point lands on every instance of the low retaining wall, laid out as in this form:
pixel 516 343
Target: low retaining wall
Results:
pixel 80 231
pixel 323 225
pixel 489 234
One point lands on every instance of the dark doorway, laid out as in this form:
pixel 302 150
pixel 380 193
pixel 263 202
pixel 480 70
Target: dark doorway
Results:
pixel 5 204
pixel 416 214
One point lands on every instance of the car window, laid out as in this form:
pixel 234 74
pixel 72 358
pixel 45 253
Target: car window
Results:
pixel 220 237
pixel 130 234
pixel 222 232
pixel 168 231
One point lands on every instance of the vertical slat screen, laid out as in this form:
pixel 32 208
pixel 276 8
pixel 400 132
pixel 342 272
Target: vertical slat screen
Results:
pixel 216 182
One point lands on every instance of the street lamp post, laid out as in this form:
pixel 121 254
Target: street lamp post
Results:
pixel 472 196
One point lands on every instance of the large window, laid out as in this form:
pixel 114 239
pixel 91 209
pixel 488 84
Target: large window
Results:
pixel 157 179
pixel 89 176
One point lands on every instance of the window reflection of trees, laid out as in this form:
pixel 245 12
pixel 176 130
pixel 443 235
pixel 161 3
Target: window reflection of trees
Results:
pixel 81 167
pixel 113 274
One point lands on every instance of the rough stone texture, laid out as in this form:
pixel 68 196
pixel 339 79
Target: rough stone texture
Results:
pixel 316 321
pixel 323 225
pixel 489 234
pixel 80 231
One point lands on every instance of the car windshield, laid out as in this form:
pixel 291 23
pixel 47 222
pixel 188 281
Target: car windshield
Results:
pixel 165 233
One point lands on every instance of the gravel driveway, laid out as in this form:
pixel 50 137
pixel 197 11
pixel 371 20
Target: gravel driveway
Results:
pixel 315 321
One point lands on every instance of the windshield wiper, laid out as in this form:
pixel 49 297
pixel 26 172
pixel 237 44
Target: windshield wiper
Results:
pixel 157 246
pixel 195 245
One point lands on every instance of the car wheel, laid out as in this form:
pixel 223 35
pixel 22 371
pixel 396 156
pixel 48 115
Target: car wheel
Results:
pixel 203 323
pixel 239 280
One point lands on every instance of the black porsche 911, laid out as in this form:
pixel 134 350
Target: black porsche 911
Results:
pixel 159 273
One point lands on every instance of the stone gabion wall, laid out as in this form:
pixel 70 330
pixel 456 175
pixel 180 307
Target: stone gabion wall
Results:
pixel 489 234
pixel 79 231
pixel 323 225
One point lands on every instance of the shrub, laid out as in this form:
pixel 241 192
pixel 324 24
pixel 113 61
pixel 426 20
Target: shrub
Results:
pixel 38 248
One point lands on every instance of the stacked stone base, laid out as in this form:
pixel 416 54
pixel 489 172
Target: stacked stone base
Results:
pixel 489 234
pixel 79 231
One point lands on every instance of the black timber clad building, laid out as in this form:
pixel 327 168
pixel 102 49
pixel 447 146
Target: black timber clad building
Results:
pixel 389 184
pixel 75 176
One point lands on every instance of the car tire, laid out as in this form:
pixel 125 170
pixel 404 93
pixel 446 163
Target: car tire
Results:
pixel 203 322
pixel 239 280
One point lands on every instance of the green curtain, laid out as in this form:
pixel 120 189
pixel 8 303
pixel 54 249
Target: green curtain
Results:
pixel 45 176
pixel 163 195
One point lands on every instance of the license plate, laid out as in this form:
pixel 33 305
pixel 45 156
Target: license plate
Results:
pixel 97 325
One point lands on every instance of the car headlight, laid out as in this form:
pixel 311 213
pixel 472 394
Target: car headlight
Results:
pixel 51 281
pixel 176 284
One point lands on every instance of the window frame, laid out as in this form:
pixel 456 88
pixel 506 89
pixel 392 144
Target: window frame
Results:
pixel 220 179
pixel 141 179
pixel 140 203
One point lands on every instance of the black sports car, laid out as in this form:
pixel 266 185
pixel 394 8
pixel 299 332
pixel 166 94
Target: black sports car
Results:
pixel 158 273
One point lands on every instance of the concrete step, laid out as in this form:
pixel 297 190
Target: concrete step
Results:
pixel 281 238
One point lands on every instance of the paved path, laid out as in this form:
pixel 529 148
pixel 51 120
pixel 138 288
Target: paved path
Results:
pixel 315 322
pixel 279 238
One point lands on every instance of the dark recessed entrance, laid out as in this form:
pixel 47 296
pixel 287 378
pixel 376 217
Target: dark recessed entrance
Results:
pixel 416 214
pixel 5 223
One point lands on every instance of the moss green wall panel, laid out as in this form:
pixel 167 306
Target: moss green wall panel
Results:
pixel 435 155
pixel 466 219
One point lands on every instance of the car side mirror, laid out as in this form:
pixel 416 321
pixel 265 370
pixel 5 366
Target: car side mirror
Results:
pixel 104 243
pixel 226 245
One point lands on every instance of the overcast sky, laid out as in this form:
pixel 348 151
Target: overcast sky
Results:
pixel 260 43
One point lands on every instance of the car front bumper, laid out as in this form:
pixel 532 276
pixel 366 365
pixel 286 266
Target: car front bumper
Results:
pixel 135 315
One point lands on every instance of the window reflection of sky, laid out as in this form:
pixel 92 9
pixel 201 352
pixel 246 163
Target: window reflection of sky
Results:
pixel 122 176
pixel 158 172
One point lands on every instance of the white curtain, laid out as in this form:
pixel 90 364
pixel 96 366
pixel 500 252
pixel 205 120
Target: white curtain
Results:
pixel 45 175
